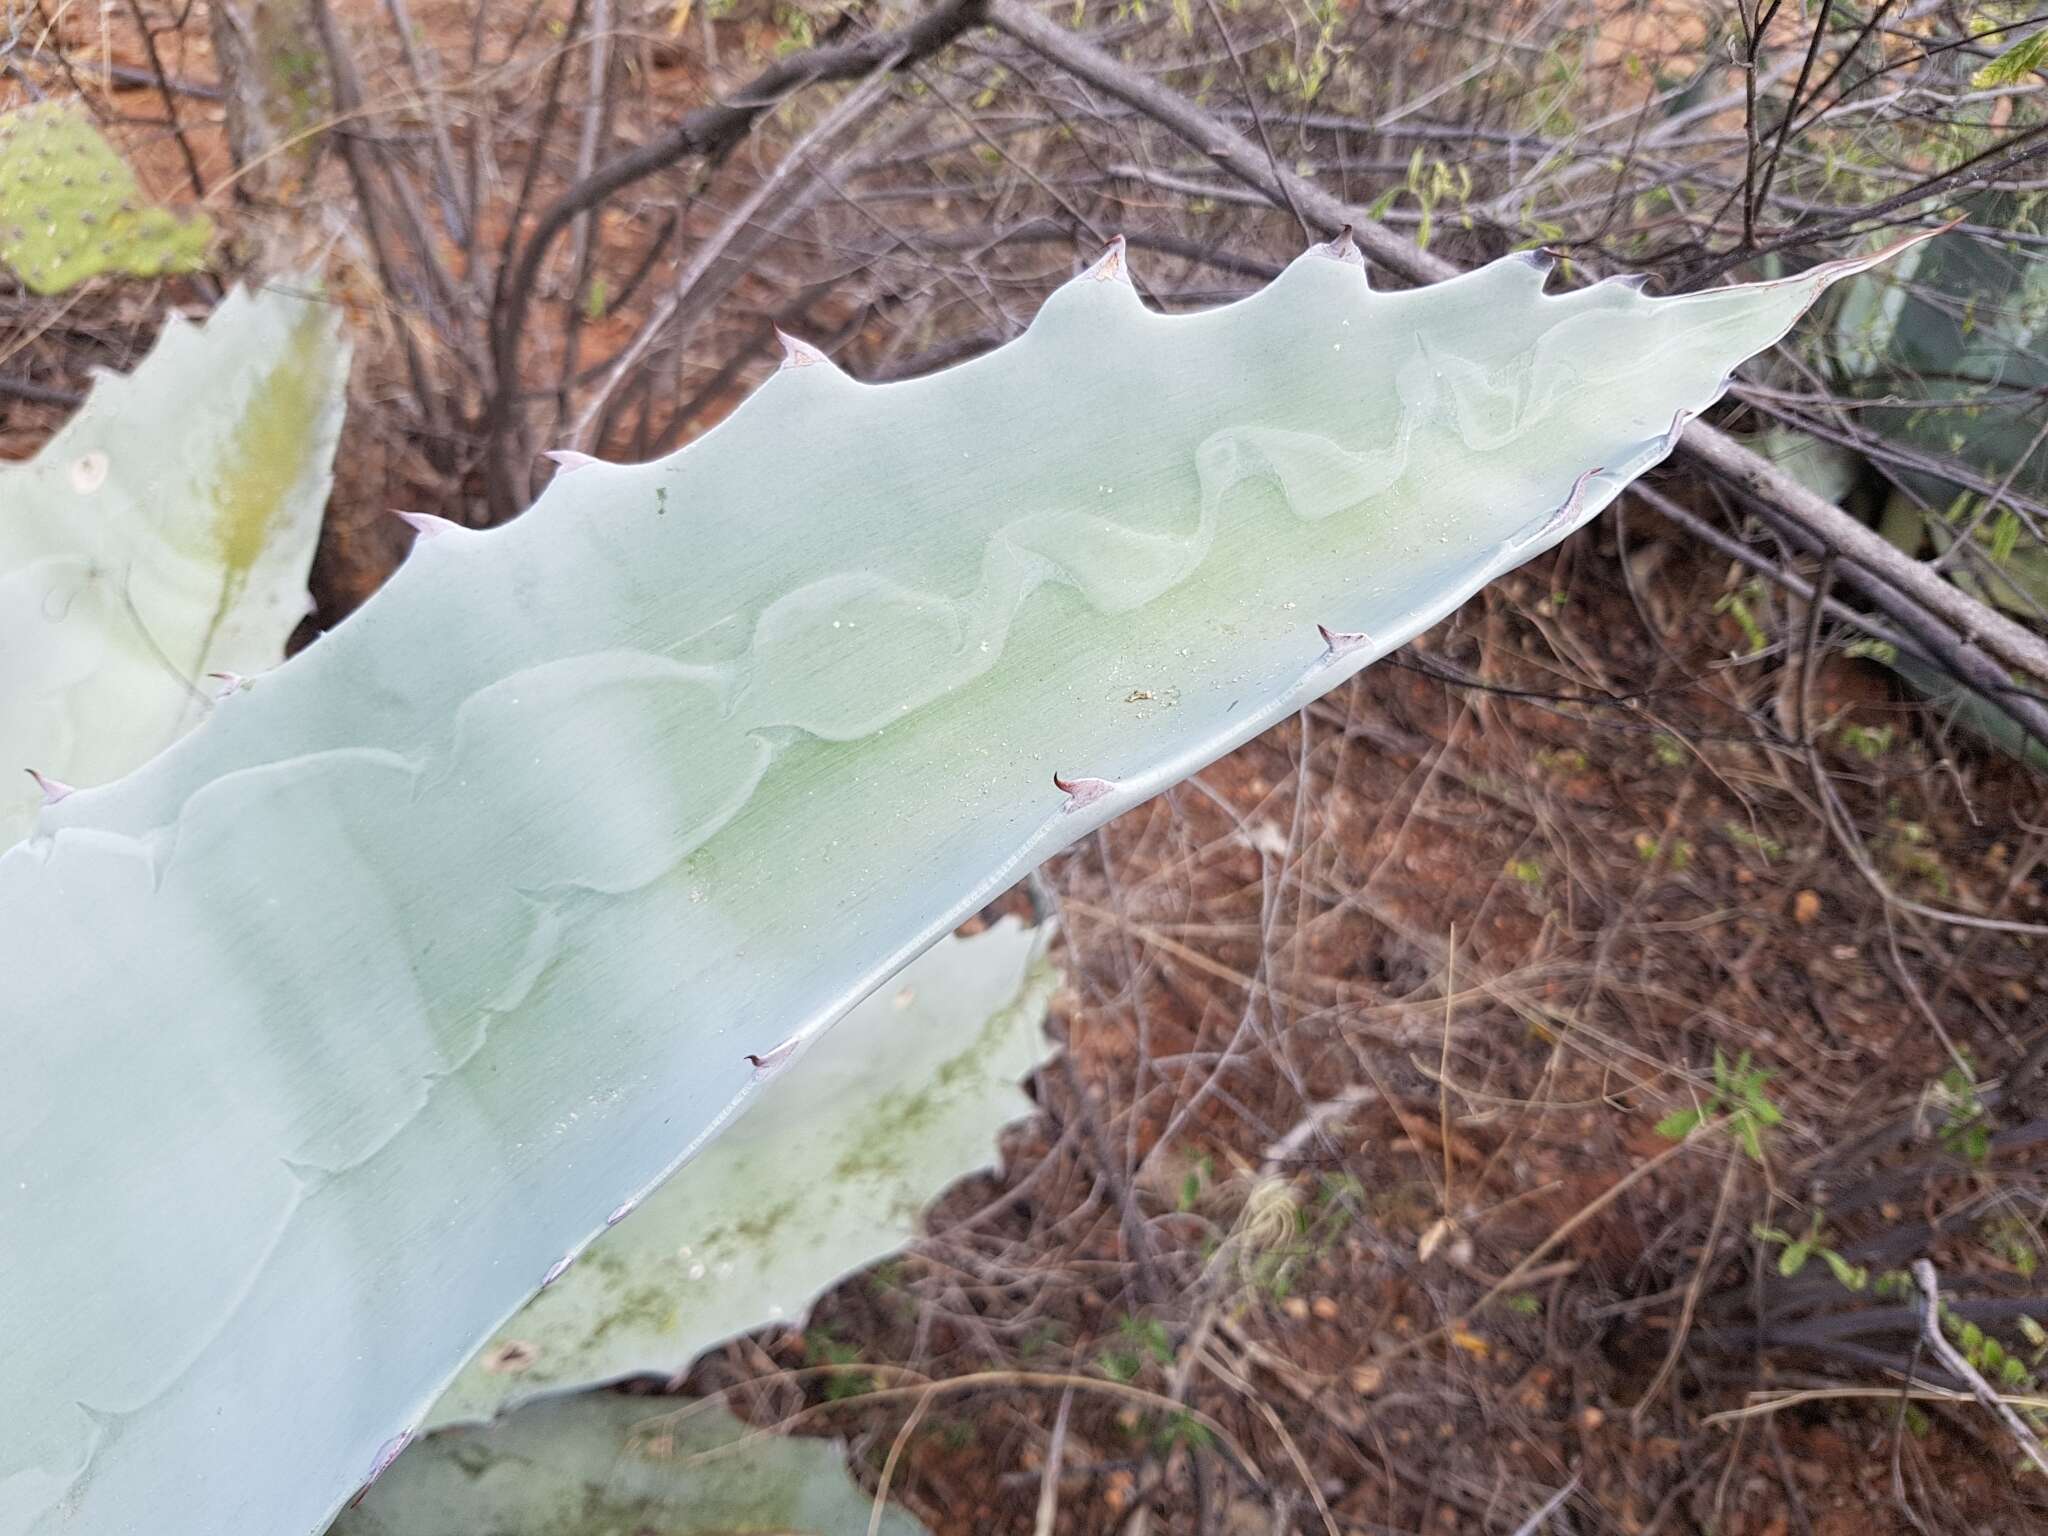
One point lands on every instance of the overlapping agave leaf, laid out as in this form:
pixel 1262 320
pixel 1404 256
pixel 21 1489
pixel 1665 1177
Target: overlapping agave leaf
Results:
pixel 163 533
pixel 1950 354
pixel 70 208
pixel 830 1168
pixel 468 924
pixel 606 1465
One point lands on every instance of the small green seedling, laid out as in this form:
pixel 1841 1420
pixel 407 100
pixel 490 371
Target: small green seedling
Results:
pixel 2016 1241
pixel 1869 742
pixel 1673 853
pixel 1758 842
pixel 1966 1123
pixel 1738 605
pixel 1794 1252
pixel 1738 1096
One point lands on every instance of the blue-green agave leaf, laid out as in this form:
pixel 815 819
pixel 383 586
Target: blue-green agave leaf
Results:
pixel 164 533
pixel 345 1023
pixel 830 1168
pixel 1950 353
pixel 606 1465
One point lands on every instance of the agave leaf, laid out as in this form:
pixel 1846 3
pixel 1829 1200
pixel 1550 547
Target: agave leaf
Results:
pixel 474 920
pixel 163 533
pixel 1957 328
pixel 1973 711
pixel 829 1169
pixel 605 1465
pixel 2018 578
pixel 1958 332
pixel 1825 468
pixel 70 208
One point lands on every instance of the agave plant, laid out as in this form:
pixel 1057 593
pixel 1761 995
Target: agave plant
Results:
pixel 1957 333
pixel 605 1465
pixel 164 533
pixel 827 1170
pixel 463 929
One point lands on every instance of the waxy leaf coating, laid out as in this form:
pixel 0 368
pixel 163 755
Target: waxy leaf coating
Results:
pixel 467 925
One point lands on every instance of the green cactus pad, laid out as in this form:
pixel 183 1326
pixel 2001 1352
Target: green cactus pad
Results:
pixel 70 208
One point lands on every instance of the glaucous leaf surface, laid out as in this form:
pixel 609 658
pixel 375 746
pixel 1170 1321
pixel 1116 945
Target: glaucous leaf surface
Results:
pixel 830 1168
pixel 163 533
pixel 1949 352
pixel 70 207
pixel 474 920
pixel 601 1464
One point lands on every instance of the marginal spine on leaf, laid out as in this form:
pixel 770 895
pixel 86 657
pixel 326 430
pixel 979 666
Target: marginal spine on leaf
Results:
pixel 1112 266
pixel 1340 642
pixel 1082 791
pixel 230 683
pixel 1569 510
pixel 53 789
pixel 558 1269
pixel 1343 248
pixel 775 1058
pixel 798 354
pixel 1676 429
pixel 386 1454
pixel 569 460
pixel 620 1214
pixel 426 524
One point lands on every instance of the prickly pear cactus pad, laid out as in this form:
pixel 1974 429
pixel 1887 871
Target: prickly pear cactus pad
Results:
pixel 464 927
pixel 162 534
pixel 70 207
pixel 830 1168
